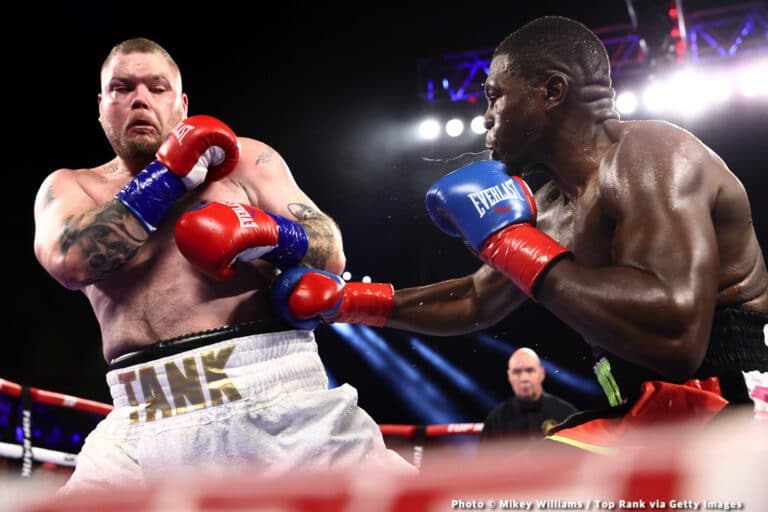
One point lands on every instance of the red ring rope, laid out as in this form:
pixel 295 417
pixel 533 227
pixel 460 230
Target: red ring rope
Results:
pixel 61 400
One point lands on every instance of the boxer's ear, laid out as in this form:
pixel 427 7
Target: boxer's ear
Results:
pixel 556 89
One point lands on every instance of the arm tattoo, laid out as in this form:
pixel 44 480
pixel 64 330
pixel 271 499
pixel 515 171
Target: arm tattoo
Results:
pixel 321 232
pixel 103 239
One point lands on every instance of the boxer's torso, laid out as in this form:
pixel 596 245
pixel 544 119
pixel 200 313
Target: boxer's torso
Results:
pixel 159 295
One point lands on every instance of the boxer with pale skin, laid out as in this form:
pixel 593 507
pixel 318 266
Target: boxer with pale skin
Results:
pixel 110 231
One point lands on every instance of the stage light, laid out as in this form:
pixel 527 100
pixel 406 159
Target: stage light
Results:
pixel 454 127
pixel 456 375
pixel 626 102
pixel 366 279
pixel 478 125
pixel 687 93
pixel 684 92
pixel 719 89
pixel 346 275
pixel 753 81
pixel 566 377
pixel 429 129
pixel 655 97
pixel 332 382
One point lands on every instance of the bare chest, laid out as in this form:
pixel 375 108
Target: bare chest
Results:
pixel 581 226
pixel 159 255
pixel 155 296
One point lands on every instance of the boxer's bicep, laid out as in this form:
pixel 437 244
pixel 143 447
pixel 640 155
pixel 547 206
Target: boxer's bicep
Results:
pixel 664 225
pixel 58 201
pixel 78 241
pixel 271 186
pixel 651 300
pixel 664 229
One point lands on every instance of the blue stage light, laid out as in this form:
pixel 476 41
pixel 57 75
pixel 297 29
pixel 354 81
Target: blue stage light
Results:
pixel 454 374
pixel 563 376
pixel 422 397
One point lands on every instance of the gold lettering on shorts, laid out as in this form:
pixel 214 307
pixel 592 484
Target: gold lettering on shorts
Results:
pixel 154 398
pixel 127 379
pixel 185 387
pixel 217 378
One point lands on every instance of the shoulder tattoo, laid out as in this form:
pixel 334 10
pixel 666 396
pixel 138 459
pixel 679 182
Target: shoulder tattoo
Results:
pixel 264 157
pixel 49 197
pixel 303 212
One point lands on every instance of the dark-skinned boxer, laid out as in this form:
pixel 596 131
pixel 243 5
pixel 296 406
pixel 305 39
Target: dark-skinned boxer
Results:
pixel 642 241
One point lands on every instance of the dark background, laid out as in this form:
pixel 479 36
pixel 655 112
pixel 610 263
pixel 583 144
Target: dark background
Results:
pixel 335 90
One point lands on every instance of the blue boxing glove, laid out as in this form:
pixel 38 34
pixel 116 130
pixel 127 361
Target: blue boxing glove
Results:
pixel 479 199
pixel 214 236
pixel 200 148
pixel 495 214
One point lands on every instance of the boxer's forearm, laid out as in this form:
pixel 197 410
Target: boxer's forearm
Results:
pixel 97 243
pixel 454 307
pixel 441 309
pixel 325 250
pixel 663 326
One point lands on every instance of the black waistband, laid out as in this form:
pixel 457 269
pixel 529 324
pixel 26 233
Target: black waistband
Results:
pixel 195 340
pixel 736 344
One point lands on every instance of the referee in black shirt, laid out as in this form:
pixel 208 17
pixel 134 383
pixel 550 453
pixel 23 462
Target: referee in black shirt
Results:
pixel 531 412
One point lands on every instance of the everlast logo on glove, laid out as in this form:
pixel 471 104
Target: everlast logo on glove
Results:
pixel 243 215
pixel 489 197
pixel 181 130
pixel 186 386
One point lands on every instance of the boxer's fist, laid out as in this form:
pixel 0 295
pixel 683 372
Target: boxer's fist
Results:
pixel 199 147
pixel 305 297
pixel 478 200
pixel 214 236
pixel 495 214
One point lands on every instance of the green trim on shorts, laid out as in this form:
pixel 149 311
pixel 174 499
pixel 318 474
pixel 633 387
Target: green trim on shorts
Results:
pixel 606 380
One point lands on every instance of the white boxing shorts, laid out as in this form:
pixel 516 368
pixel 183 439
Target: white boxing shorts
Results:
pixel 260 400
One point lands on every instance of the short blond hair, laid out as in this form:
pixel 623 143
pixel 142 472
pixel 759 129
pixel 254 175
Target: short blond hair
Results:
pixel 139 45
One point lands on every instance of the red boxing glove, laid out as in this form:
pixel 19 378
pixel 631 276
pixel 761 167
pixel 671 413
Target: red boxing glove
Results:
pixel 495 213
pixel 305 297
pixel 522 253
pixel 214 235
pixel 199 148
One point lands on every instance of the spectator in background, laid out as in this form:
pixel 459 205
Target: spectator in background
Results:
pixel 531 412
